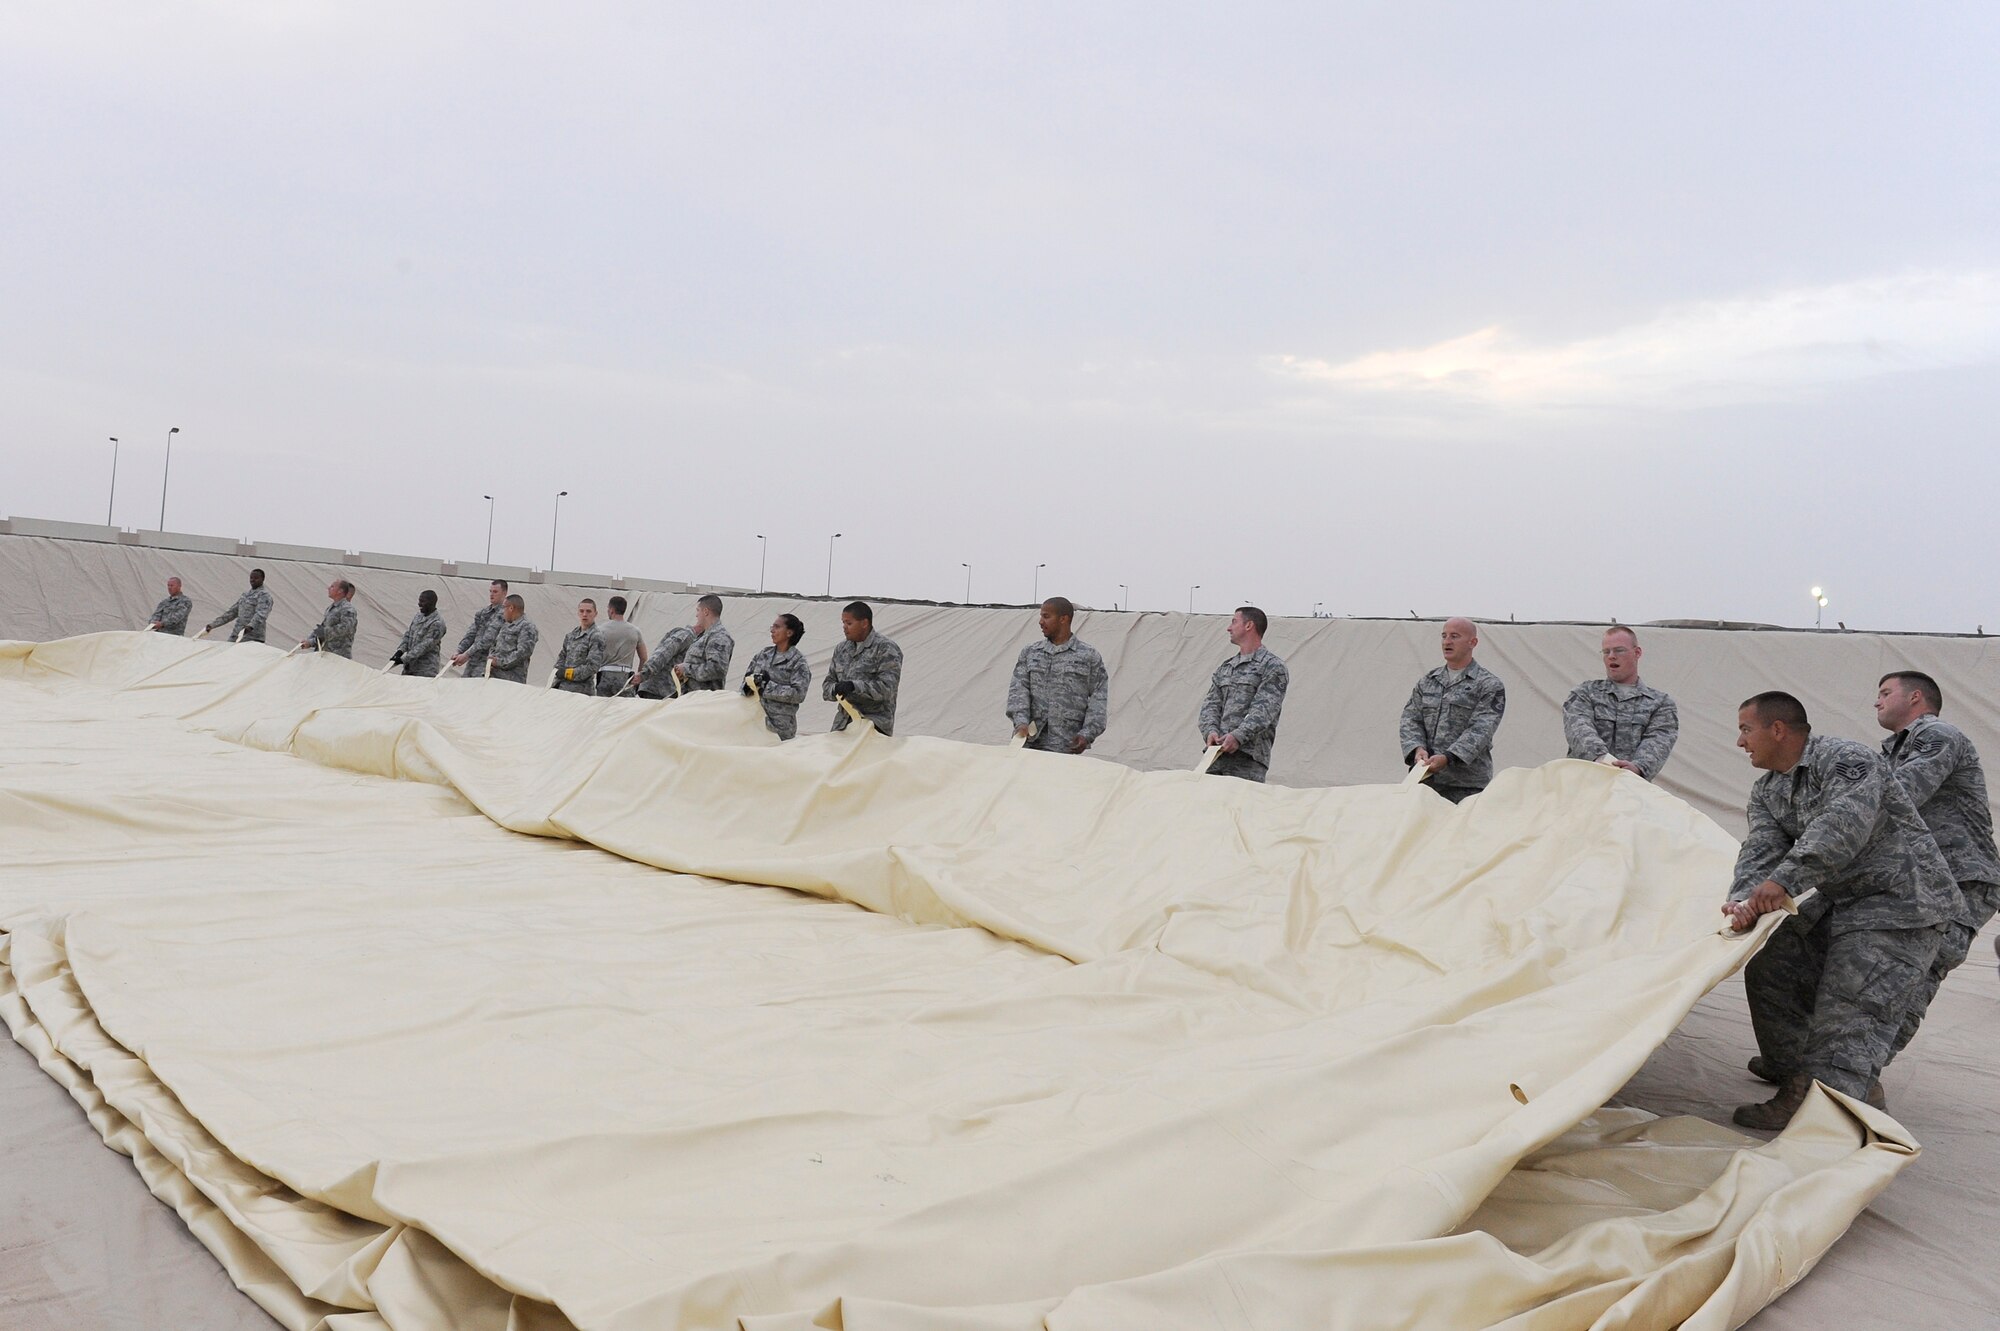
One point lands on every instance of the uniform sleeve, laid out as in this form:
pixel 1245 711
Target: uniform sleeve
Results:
pixel 1761 851
pixel 225 616
pixel 710 668
pixel 1831 841
pixel 466 643
pixel 1663 729
pixel 314 633
pixel 1210 719
pixel 1017 689
pixel 1411 731
pixel 260 613
pixel 1097 715
pixel 340 637
pixel 1580 726
pixel 832 676
pixel 1476 740
pixel 790 680
pixel 1933 758
pixel 424 637
pixel 523 650
pixel 1260 719
pixel 878 679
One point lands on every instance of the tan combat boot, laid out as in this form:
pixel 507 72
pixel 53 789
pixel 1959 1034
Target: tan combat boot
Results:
pixel 1777 1111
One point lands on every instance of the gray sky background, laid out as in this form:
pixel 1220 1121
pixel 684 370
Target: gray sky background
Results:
pixel 1566 311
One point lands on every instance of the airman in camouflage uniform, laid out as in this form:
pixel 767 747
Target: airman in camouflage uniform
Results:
pixel 252 611
pixel 477 644
pixel 706 664
pixel 1940 770
pixel 514 644
pixel 171 615
pixel 1245 695
pixel 1828 992
pixel 656 676
pixel 420 652
pixel 334 634
pixel 581 654
pixel 1060 695
pixel 867 670
pixel 1617 716
pixel 1449 721
pixel 783 677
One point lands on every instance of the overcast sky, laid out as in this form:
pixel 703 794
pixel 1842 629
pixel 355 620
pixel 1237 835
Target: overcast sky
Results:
pixel 1565 311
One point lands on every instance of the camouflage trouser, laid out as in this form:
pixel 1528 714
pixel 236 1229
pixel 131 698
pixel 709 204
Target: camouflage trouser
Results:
pixel 1981 898
pixel 1456 794
pixel 1829 1005
pixel 782 718
pixel 581 686
pixel 1238 764
pixel 610 683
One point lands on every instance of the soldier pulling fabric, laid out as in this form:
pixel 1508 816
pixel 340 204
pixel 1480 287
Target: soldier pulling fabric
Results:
pixel 334 634
pixel 581 654
pixel 1452 714
pixel 1619 717
pixel 420 651
pixel 171 614
pixel 1245 696
pixel 867 670
pixel 477 644
pixel 1060 694
pixel 706 664
pixel 656 677
pixel 1829 991
pixel 252 611
pixel 514 644
pixel 783 678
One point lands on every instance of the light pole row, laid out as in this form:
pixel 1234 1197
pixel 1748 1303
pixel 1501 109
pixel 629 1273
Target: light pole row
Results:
pixel 165 472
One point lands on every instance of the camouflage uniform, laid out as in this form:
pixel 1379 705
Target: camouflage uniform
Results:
pixel 1066 688
pixel 578 659
pixel 334 634
pixel 513 648
pixel 707 660
pixel 421 645
pixel 656 680
pixel 621 650
pixel 1456 718
pixel 477 644
pixel 1629 721
pixel 1939 769
pixel 172 614
pixel 1829 990
pixel 252 613
pixel 783 680
pixel 1245 695
pixel 874 666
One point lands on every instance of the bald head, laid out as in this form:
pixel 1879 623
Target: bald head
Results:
pixel 1459 637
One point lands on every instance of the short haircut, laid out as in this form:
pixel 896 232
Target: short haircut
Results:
pixel 501 583
pixel 794 625
pixel 713 604
pixel 256 572
pixel 1777 706
pixel 1620 628
pixel 860 610
pixel 514 599
pixel 346 587
pixel 586 601
pixel 1061 605
pixel 1258 619
pixel 427 600
pixel 1919 683
pixel 617 604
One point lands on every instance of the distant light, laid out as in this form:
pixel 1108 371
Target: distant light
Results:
pixel 1819 593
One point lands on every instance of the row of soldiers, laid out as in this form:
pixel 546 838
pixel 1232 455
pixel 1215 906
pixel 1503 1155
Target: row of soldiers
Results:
pixel 1888 857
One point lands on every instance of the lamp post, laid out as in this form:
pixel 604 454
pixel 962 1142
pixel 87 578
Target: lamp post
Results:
pixel 968 582
pixel 164 473
pixel 489 527
pixel 1819 604
pixel 829 560
pixel 1038 582
pixel 553 522
pixel 763 556
pixel 1128 596
pixel 1316 606
pixel 1191 591
pixel 114 481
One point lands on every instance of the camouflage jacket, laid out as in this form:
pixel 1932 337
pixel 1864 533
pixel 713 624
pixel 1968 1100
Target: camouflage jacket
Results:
pixel 252 613
pixel 421 643
pixel 477 643
pixel 1065 689
pixel 787 680
pixel 1939 769
pixel 1457 720
pixel 874 666
pixel 579 659
pixel 1839 822
pixel 1245 695
pixel 1629 721
pixel 707 659
pixel 513 648
pixel 334 634
pixel 661 661
pixel 172 614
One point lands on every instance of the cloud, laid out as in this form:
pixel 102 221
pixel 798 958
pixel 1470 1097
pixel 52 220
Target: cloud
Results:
pixel 1760 347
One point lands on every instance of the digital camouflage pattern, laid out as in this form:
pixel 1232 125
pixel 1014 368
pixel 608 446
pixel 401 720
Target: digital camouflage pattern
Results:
pixel 171 614
pixel 513 648
pixel 783 681
pixel 1634 722
pixel 1065 689
pixel 578 660
pixel 252 613
pixel 422 645
pixel 1457 719
pixel 477 644
pixel 334 634
pixel 707 659
pixel 1246 694
pixel 874 667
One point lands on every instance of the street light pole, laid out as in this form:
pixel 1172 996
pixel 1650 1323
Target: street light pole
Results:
pixel 114 481
pixel 1128 596
pixel 968 582
pixel 763 556
pixel 1191 591
pixel 1819 604
pixel 829 560
pixel 164 473
pixel 1038 582
pixel 489 527
pixel 552 529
